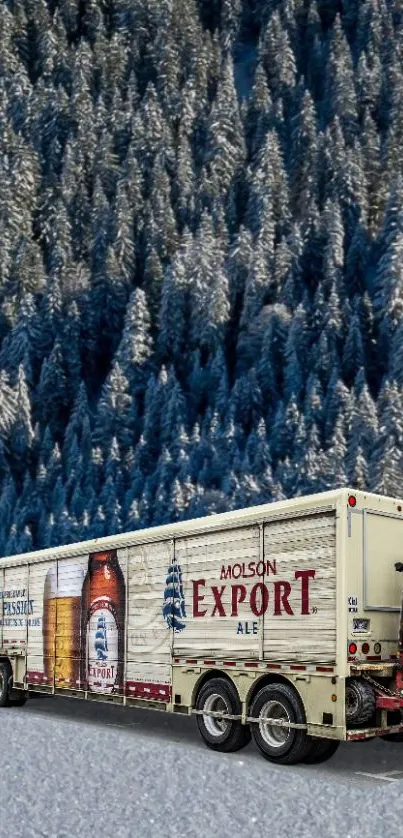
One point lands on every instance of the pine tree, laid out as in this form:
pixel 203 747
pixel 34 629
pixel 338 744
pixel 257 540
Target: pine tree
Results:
pixel 304 155
pixel 268 200
pixel 172 315
pixel 340 99
pixel 310 466
pixel 8 500
pixel 135 348
pixel 225 148
pixel 52 390
pixel 8 405
pixel 22 433
pixel 277 57
pixel 260 112
pixel 272 353
pixel 283 429
pixel 353 353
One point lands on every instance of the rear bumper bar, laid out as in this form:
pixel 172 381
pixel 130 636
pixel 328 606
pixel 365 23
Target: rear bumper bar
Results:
pixel 389 702
pixel 371 732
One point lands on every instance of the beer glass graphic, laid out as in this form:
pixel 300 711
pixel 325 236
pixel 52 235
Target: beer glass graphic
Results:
pixel 61 624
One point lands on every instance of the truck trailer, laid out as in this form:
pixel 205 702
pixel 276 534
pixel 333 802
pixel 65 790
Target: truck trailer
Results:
pixel 281 623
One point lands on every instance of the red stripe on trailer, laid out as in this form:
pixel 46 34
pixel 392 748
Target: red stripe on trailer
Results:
pixel 190 660
pixel 147 690
pixel 273 666
pixel 298 667
pixel 251 663
pixel 176 660
pixel 324 669
pixel 374 657
pixel 209 663
pixel 35 678
pixel 229 663
pixel 371 733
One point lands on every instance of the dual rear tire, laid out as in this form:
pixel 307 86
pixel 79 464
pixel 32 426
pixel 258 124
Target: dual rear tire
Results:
pixel 220 696
pixel 5 700
pixel 279 744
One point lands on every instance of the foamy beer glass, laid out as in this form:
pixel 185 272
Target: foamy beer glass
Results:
pixel 61 624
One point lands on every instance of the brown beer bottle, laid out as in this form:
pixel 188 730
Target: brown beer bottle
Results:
pixel 102 628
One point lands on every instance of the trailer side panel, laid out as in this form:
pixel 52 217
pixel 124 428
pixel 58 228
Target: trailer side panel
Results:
pixel 301 622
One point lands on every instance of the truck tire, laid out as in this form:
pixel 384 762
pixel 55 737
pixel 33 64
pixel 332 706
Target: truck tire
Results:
pixel 393 737
pixel 20 701
pixel 286 746
pixel 321 750
pixel 220 734
pixel 5 672
pixel 360 701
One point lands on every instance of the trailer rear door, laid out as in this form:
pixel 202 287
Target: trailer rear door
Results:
pixel 382 547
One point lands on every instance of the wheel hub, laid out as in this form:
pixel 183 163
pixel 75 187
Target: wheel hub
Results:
pixel 351 700
pixel 274 735
pixel 215 704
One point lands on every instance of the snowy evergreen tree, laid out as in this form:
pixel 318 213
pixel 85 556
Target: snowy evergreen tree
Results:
pixel 340 98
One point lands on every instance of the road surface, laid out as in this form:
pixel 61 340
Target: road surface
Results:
pixel 71 769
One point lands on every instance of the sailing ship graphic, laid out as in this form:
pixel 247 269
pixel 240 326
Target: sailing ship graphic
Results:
pixel 174 608
pixel 101 640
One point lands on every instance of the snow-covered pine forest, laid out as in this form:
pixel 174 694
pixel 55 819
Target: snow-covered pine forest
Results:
pixel 201 258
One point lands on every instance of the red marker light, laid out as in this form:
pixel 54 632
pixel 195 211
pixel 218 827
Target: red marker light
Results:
pixel 352 648
pixel 365 648
pixel 352 501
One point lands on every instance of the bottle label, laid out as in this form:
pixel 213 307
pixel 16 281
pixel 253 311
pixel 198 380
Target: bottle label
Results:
pixel 102 645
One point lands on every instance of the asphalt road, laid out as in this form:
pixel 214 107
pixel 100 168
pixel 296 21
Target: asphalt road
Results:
pixel 72 769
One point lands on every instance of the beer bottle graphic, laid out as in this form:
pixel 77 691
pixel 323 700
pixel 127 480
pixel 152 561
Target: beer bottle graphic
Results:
pixel 103 617
pixel 61 624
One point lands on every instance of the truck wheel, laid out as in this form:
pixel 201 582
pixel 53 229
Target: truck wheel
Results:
pixel 219 734
pixel 321 750
pixel 360 701
pixel 280 744
pixel 5 673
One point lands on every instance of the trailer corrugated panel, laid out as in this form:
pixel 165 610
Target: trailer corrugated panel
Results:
pixel 149 639
pixel 41 626
pixel 207 563
pixel 14 605
pixel 304 554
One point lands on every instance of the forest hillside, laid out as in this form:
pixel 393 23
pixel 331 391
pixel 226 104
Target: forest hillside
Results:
pixel 201 262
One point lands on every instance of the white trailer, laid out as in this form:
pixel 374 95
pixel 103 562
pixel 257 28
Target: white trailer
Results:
pixel 281 622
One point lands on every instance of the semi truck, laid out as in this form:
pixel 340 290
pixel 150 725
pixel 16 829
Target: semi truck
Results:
pixel 280 623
